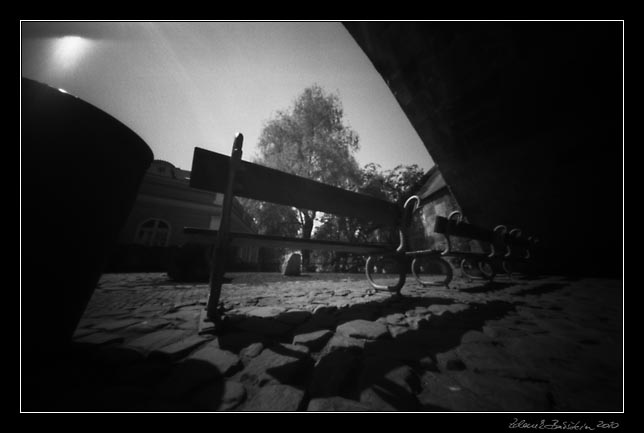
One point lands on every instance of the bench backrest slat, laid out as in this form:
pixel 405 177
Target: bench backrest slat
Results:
pixel 465 230
pixel 251 239
pixel 210 172
pixel 443 226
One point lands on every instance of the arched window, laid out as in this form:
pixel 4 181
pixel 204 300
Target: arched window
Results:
pixel 153 233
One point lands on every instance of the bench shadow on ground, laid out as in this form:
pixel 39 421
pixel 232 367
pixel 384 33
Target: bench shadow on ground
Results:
pixel 488 287
pixel 88 378
pixel 111 378
pixel 352 368
pixel 541 289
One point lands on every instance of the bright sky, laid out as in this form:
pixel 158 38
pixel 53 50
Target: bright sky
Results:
pixel 187 84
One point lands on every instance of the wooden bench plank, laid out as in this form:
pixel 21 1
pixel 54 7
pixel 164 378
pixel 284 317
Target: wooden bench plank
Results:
pixel 520 242
pixel 243 239
pixel 465 230
pixel 210 172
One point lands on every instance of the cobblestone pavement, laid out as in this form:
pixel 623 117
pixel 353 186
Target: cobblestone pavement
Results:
pixel 324 342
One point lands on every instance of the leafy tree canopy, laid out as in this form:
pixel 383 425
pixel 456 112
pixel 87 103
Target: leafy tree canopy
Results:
pixel 311 140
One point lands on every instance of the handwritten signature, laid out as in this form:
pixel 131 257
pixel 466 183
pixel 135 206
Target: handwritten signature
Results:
pixel 555 424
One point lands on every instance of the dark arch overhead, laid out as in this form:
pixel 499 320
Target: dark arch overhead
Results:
pixel 524 120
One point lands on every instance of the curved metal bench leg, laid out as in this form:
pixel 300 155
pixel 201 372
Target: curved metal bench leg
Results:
pixel 449 274
pixel 489 276
pixel 464 273
pixel 402 277
pixel 507 269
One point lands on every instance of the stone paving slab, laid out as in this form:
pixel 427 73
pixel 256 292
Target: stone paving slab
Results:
pixel 113 325
pixel 223 360
pixel 220 396
pixel 99 338
pixel 337 404
pixel 327 342
pixel 156 340
pixel 275 398
pixel 178 349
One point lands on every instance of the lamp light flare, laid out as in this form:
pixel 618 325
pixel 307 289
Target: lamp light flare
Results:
pixel 69 49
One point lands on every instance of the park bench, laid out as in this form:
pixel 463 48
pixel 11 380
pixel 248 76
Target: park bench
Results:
pixel 232 177
pixel 507 251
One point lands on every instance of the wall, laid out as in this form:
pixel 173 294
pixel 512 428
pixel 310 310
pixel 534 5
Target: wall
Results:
pixel 165 194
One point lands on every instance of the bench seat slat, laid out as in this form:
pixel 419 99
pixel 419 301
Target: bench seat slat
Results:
pixel 243 239
pixel 210 172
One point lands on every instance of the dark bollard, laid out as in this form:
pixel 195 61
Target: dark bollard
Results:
pixel 80 173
